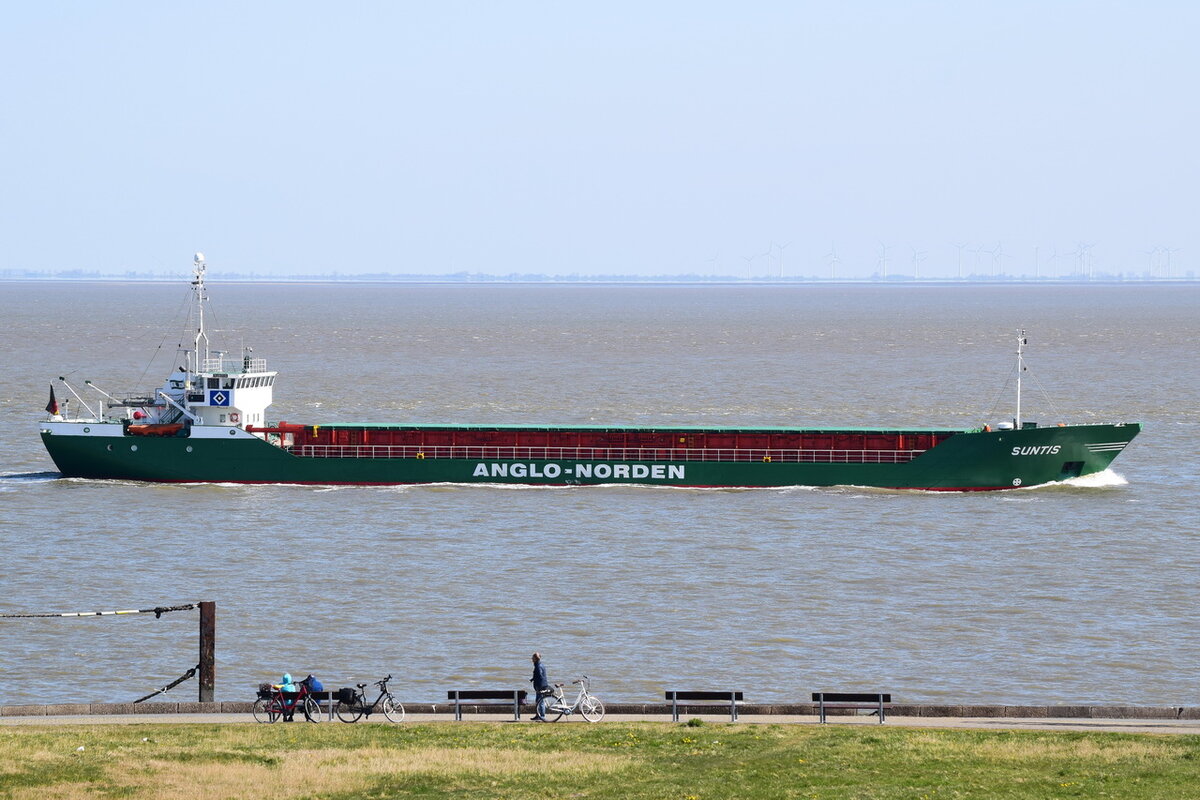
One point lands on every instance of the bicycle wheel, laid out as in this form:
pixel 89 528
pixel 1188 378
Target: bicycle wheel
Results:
pixel 591 708
pixel 312 709
pixel 347 712
pixel 392 709
pixel 265 710
pixel 555 708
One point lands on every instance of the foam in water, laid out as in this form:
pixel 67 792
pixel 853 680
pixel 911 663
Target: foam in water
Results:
pixel 1098 480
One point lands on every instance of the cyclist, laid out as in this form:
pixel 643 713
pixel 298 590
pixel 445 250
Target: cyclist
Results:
pixel 541 687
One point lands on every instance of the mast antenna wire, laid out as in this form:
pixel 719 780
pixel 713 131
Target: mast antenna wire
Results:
pixel 1046 396
pixel 1003 391
pixel 157 350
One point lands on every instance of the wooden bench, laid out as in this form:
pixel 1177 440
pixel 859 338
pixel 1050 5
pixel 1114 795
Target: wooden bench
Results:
pixel 870 701
pixel 726 698
pixel 514 696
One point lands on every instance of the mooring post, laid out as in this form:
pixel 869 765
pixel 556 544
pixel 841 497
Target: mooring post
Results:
pixel 208 640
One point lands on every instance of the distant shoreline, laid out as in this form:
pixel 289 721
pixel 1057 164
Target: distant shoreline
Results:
pixel 659 281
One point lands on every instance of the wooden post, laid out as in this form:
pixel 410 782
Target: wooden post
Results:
pixel 208 641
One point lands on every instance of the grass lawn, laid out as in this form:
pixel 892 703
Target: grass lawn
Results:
pixel 577 760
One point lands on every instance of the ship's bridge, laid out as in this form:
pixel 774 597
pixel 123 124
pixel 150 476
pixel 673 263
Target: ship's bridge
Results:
pixel 233 392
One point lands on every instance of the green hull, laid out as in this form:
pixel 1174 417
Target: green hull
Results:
pixel 966 461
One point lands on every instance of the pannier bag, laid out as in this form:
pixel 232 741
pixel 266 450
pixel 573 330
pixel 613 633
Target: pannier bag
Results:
pixel 345 695
pixel 264 691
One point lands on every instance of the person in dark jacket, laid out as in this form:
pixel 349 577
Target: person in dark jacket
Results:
pixel 541 687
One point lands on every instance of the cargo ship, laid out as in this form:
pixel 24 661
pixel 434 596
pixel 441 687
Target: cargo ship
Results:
pixel 208 423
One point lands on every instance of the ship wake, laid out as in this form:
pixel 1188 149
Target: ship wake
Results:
pixel 1106 479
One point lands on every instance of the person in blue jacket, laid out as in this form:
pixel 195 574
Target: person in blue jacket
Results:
pixel 288 685
pixel 541 687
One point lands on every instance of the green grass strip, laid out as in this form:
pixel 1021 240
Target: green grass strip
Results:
pixel 609 760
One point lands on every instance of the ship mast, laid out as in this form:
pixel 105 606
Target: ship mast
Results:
pixel 1021 342
pixel 200 298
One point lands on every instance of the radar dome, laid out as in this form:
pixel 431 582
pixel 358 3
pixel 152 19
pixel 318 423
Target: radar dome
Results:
pixel 198 258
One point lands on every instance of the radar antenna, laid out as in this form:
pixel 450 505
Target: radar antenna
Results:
pixel 200 297
pixel 1021 342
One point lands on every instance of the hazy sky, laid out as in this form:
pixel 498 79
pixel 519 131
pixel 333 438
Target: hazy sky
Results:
pixel 602 138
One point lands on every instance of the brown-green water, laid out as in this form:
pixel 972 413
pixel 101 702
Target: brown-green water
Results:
pixel 1074 594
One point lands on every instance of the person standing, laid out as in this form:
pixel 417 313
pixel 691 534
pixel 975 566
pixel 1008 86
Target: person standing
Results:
pixel 541 687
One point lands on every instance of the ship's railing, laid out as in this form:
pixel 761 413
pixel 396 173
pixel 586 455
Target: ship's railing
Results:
pixel 234 366
pixel 484 453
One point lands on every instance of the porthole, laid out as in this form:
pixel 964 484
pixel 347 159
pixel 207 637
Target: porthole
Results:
pixel 188 448
pixel 133 447
pixel 87 430
pixel 233 433
pixel 109 448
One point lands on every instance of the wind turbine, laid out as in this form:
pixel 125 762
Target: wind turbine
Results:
pixel 1085 253
pixel 831 258
pixel 781 259
pixel 883 260
pixel 960 249
pixel 1168 251
pixel 1150 254
pixel 992 253
pixel 770 249
pixel 918 257
pixel 1079 252
pixel 976 251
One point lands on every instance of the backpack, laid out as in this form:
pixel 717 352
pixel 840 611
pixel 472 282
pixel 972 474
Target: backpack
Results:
pixel 313 684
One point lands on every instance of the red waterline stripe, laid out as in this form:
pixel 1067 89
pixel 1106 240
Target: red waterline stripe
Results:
pixel 490 483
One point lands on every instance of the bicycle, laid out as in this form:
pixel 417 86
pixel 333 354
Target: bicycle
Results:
pixel 275 703
pixel 353 704
pixel 586 703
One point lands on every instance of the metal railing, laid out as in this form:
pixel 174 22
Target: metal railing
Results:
pixel 234 366
pixel 644 454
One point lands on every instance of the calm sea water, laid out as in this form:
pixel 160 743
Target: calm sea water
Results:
pixel 1076 594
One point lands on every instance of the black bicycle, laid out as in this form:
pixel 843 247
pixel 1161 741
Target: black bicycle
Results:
pixel 352 704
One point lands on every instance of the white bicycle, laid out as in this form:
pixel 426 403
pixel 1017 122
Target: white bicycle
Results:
pixel 586 703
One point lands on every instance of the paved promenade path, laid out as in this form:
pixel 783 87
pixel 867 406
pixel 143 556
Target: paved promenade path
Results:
pixel 1163 726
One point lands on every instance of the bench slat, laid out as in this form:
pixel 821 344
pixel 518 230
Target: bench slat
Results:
pixel 514 696
pixel 730 697
pixel 872 701
pixel 705 696
pixel 484 694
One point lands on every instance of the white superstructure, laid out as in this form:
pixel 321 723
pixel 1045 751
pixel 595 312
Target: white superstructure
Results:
pixel 211 388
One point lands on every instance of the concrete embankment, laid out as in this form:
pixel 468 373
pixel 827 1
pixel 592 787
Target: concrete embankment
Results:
pixel 655 711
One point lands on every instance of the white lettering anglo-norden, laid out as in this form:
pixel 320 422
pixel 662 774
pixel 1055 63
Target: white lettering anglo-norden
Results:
pixel 551 470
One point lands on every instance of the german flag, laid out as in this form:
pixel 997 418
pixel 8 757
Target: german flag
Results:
pixel 52 406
